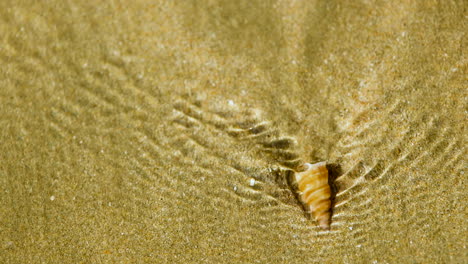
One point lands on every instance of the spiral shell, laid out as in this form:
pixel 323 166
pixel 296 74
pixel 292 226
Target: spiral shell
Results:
pixel 315 191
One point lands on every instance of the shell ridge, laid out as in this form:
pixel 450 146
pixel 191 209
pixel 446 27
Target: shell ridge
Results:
pixel 315 191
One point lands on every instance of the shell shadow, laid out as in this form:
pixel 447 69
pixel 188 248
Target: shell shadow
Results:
pixel 334 172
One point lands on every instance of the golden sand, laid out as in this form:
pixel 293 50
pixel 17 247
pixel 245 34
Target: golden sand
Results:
pixel 165 131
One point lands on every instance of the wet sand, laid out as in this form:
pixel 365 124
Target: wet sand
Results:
pixel 167 133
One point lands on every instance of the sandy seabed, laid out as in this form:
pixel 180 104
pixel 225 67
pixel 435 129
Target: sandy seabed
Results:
pixel 166 131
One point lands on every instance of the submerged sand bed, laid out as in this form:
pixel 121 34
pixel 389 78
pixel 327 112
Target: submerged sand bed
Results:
pixel 137 132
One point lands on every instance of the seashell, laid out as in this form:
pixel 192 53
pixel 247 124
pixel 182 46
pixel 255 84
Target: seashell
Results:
pixel 315 191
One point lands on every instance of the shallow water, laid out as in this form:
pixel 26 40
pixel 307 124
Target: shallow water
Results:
pixel 167 133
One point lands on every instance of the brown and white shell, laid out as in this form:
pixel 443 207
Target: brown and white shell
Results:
pixel 315 192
